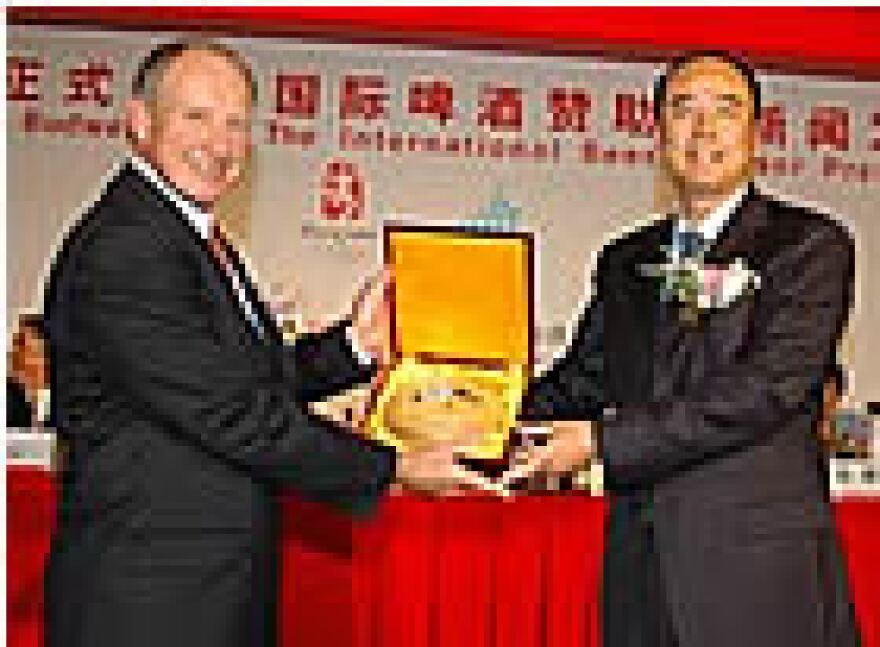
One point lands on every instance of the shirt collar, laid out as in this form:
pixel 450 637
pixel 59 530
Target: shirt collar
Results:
pixel 200 219
pixel 710 226
pixel 43 405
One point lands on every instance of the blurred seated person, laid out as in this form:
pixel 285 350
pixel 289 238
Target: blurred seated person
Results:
pixel 832 393
pixel 841 441
pixel 27 392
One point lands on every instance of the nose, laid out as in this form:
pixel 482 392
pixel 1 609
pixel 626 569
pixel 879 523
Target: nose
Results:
pixel 220 141
pixel 704 123
pixel 222 136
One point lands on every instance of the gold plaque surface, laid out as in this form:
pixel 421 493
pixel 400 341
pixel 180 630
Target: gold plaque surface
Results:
pixel 462 336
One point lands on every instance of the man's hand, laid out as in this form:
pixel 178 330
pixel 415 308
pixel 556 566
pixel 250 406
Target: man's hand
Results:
pixel 570 445
pixel 371 318
pixel 434 469
pixel 290 309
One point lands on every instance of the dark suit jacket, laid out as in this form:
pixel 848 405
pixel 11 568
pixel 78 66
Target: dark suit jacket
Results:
pixel 19 412
pixel 180 424
pixel 720 529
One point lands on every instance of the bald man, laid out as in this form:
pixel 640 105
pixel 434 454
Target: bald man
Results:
pixel 182 409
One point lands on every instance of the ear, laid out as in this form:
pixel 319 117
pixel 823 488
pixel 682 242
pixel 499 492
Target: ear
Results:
pixel 138 122
pixel 755 143
pixel 756 129
pixel 659 132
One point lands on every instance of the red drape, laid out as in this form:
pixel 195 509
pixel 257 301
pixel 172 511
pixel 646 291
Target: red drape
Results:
pixel 472 571
pixel 796 39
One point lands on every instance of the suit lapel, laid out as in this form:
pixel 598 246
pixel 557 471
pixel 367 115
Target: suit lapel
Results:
pixel 632 314
pixel 265 320
pixel 681 349
pixel 743 235
pixel 217 284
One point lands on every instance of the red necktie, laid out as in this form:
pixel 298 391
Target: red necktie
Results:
pixel 223 253
pixel 220 250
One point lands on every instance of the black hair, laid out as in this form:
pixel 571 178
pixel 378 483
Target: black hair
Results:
pixel 746 72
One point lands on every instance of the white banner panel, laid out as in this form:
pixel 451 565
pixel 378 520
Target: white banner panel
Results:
pixel 348 135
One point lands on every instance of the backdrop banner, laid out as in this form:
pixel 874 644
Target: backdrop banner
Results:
pixel 348 136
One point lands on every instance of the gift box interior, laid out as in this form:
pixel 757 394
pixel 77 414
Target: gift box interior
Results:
pixel 462 301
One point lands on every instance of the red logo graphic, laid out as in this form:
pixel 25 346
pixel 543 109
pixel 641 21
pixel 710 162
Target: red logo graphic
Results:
pixel 343 192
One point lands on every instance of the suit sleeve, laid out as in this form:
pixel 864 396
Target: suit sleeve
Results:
pixel 803 305
pixel 322 364
pixel 573 387
pixel 144 314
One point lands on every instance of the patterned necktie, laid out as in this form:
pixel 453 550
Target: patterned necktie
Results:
pixel 690 244
pixel 220 250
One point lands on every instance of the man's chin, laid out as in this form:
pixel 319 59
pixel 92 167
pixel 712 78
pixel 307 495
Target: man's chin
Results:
pixel 205 194
pixel 706 185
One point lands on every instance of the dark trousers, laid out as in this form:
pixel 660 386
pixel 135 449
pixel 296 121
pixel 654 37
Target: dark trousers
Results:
pixel 634 605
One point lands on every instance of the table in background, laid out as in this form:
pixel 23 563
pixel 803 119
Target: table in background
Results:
pixel 469 571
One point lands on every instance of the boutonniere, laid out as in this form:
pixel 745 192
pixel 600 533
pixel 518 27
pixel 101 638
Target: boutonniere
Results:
pixel 698 287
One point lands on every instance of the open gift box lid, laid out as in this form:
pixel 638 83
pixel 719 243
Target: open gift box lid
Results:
pixel 461 294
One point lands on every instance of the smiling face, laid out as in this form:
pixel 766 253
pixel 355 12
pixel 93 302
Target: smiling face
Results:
pixel 197 130
pixel 708 127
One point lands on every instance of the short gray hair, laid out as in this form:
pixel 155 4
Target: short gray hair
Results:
pixel 152 69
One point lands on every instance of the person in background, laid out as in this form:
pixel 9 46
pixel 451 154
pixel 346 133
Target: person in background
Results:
pixel 832 393
pixel 27 392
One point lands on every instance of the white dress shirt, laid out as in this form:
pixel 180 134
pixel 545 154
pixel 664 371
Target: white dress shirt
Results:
pixel 201 221
pixel 42 406
pixel 711 226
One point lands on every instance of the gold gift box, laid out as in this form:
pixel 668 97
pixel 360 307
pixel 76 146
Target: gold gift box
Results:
pixel 462 304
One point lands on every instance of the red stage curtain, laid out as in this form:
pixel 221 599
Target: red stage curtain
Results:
pixel 469 571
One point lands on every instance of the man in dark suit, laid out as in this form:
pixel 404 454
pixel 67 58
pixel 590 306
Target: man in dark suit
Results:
pixel 693 375
pixel 182 409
